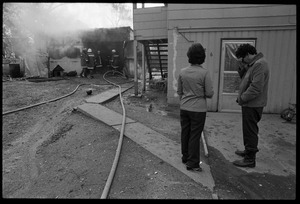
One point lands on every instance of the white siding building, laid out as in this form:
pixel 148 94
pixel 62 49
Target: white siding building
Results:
pixel 220 28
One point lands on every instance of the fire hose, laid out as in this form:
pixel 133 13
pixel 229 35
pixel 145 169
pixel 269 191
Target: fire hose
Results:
pixel 118 151
pixel 116 159
pixel 49 101
pixel 44 102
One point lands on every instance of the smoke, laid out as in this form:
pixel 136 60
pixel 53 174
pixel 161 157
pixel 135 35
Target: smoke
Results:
pixel 75 16
pixel 59 21
pixel 57 18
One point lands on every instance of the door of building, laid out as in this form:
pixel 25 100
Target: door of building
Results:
pixel 229 77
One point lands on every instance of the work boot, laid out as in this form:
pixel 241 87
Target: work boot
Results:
pixel 246 162
pixel 193 169
pixel 240 153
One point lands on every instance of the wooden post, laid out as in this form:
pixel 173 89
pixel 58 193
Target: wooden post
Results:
pixel 143 70
pixel 135 67
pixel 204 144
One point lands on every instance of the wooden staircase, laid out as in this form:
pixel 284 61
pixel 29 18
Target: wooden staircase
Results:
pixel 156 52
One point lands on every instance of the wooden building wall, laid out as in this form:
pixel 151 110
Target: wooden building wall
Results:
pixel 150 23
pixel 273 26
pixel 281 57
pixel 216 16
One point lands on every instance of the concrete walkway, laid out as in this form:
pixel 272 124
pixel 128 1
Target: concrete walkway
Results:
pixel 162 147
pixel 277 141
pixel 106 95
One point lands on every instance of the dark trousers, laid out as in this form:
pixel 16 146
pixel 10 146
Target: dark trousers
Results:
pixel 83 72
pixel 91 70
pixel 192 124
pixel 250 118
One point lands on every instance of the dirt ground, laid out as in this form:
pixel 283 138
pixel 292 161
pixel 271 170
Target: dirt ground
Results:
pixel 53 151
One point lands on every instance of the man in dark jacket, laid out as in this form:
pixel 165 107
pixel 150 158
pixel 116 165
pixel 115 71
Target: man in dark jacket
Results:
pixel 98 60
pixel 84 61
pixel 91 63
pixel 252 96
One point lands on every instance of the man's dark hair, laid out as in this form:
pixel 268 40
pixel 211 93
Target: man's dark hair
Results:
pixel 196 54
pixel 245 49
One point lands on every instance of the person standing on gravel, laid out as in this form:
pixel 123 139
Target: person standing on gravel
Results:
pixel 91 63
pixel 252 97
pixel 84 61
pixel 194 86
pixel 98 61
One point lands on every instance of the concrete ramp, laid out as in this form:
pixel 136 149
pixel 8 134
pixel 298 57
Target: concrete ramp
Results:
pixel 164 148
pixel 106 95
pixel 103 114
pixel 167 150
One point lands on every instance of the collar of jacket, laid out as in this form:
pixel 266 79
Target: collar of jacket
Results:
pixel 197 65
pixel 257 57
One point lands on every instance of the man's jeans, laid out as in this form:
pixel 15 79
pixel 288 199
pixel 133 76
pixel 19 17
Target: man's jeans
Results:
pixel 250 118
pixel 192 124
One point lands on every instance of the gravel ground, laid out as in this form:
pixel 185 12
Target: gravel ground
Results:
pixel 52 151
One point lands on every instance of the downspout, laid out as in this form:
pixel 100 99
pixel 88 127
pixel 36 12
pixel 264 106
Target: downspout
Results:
pixel 175 39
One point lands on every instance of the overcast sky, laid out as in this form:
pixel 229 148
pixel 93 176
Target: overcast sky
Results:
pixel 94 15
pixel 97 15
pixel 69 17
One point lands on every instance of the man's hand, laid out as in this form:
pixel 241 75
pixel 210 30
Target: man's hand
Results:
pixel 241 70
pixel 239 101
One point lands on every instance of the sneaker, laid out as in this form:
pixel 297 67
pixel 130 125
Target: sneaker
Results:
pixel 193 168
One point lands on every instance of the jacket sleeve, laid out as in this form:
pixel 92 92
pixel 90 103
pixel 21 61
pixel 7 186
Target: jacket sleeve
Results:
pixel 179 87
pixel 256 84
pixel 209 91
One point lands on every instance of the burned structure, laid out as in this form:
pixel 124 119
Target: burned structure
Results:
pixel 105 40
pixel 41 57
pixel 65 51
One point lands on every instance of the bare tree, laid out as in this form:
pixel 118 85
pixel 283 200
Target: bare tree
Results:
pixel 121 12
pixel 22 21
